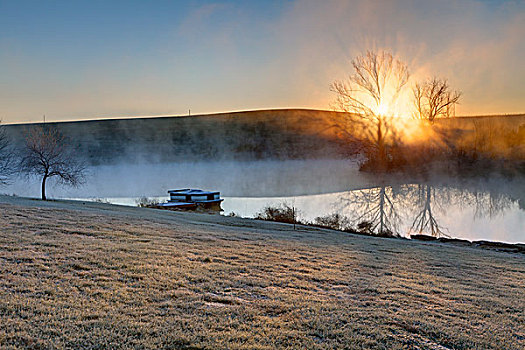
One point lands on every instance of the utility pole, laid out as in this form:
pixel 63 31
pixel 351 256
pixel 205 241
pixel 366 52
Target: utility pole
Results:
pixel 293 213
pixel 294 221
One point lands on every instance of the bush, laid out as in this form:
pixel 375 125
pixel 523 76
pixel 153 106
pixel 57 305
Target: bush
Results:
pixel 101 200
pixel 282 213
pixel 333 221
pixel 367 228
pixel 145 202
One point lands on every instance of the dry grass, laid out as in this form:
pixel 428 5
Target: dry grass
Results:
pixel 136 278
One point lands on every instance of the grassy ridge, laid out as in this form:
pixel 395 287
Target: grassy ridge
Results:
pixel 103 276
pixel 266 134
pixel 251 135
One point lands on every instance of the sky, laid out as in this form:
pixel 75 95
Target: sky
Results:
pixel 73 60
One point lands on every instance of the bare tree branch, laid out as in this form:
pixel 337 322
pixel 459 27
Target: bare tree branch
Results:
pixel 434 99
pixel 7 166
pixel 376 83
pixel 47 154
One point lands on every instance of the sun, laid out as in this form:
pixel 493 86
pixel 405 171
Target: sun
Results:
pixel 383 109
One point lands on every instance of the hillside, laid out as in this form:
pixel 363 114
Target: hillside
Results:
pixel 270 134
pixel 251 135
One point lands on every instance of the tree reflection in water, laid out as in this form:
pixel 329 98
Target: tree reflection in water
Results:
pixel 490 204
pixel 384 209
pixel 424 220
pixel 376 209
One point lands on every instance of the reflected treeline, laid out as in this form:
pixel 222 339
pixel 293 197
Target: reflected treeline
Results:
pixel 489 204
pixel 376 209
pixel 424 196
pixel 383 210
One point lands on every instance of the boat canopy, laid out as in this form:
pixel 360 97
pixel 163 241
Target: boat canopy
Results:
pixel 192 192
pixel 194 195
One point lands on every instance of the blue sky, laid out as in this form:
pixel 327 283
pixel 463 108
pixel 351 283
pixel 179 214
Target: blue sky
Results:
pixel 90 59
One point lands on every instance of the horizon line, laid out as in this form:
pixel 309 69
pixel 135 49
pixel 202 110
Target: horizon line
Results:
pixel 129 117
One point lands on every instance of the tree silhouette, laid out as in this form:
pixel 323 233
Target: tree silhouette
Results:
pixel 7 167
pixel 434 99
pixel 46 154
pixel 369 95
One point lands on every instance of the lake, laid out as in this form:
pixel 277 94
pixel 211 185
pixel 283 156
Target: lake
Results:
pixel 484 208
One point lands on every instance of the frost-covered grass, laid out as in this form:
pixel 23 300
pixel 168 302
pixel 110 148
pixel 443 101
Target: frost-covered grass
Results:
pixel 103 276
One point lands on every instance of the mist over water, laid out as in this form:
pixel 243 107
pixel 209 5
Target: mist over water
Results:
pixel 265 158
pixel 232 178
pixel 491 208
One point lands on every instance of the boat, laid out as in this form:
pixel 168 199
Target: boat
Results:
pixel 192 199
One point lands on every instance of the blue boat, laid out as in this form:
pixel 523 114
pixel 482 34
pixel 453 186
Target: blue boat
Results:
pixel 192 199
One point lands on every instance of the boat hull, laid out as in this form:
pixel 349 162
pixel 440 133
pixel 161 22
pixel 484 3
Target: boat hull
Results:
pixel 208 205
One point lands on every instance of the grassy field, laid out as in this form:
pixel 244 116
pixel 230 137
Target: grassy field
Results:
pixel 98 276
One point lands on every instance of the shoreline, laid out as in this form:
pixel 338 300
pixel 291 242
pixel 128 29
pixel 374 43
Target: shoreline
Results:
pixel 208 218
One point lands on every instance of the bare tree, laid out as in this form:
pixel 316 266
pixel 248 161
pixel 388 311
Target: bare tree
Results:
pixel 370 94
pixel 7 167
pixel 434 99
pixel 47 154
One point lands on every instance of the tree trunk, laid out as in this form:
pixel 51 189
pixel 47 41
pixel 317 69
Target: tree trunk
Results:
pixel 381 150
pixel 44 187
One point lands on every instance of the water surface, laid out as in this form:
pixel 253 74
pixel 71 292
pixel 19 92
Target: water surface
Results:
pixel 474 212
pixel 489 208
